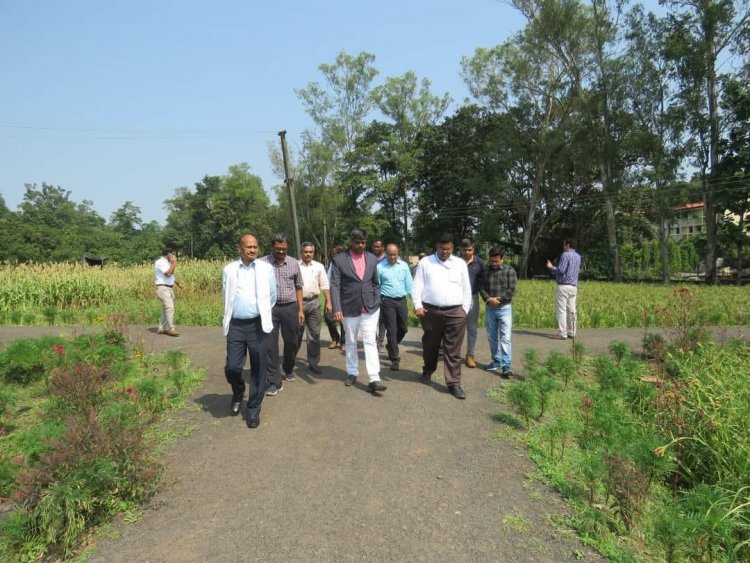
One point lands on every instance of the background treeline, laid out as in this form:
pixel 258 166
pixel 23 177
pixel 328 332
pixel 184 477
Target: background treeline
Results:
pixel 594 121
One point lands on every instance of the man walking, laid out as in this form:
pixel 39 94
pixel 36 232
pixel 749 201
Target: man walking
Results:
pixel 165 280
pixel 566 273
pixel 288 314
pixel 378 250
pixel 442 299
pixel 497 288
pixel 395 284
pixel 475 266
pixel 355 292
pixel 314 282
pixel 248 288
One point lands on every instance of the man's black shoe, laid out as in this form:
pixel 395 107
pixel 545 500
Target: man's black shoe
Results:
pixel 456 391
pixel 376 386
pixel 253 421
pixel 236 404
pixel 350 379
pixel 395 366
pixel 426 378
pixel 315 370
pixel 507 374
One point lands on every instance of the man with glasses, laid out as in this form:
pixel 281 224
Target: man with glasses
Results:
pixel 314 282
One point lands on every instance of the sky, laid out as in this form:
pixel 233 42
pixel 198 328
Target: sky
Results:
pixel 128 100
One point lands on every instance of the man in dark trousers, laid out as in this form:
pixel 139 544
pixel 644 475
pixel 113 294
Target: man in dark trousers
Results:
pixel 442 298
pixel 248 289
pixel 288 314
pixel 355 292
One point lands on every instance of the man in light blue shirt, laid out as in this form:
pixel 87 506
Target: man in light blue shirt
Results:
pixel 395 285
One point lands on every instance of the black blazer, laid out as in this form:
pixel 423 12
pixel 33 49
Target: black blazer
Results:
pixel 350 294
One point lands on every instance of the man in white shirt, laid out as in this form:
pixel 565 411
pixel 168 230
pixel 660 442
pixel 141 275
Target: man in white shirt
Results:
pixel 248 288
pixel 442 298
pixel 314 282
pixel 165 280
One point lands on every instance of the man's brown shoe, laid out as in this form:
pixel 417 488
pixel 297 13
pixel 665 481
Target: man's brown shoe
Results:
pixel 172 332
pixel 470 362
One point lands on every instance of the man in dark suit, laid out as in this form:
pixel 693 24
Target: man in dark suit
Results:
pixel 355 292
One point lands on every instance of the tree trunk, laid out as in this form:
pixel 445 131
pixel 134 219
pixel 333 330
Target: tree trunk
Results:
pixel 612 237
pixel 664 250
pixel 709 29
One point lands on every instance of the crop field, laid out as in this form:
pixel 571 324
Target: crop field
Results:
pixel 61 294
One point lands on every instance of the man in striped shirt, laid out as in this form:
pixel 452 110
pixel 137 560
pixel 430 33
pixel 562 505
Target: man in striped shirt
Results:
pixel 288 313
pixel 566 274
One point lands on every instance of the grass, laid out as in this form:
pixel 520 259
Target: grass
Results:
pixel 653 457
pixel 64 294
pixel 83 422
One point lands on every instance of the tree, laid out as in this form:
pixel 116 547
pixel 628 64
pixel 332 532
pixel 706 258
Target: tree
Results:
pixel 701 32
pixel 412 108
pixel 537 73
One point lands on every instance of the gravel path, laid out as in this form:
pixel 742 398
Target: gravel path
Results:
pixel 336 474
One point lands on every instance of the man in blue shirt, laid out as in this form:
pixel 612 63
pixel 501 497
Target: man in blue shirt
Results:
pixel 566 274
pixel 395 285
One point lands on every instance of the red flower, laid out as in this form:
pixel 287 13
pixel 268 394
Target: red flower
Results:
pixel 59 349
pixel 129 390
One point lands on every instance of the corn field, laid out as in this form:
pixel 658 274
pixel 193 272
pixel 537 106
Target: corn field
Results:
pixel 58 294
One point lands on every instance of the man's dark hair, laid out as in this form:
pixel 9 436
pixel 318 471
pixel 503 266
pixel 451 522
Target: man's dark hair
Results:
pixel 307 243
pixel 279 237
pixel 357 234
pixel 497 251
pixel 377 239
pixel 466 243
pixel 571 242
pixel 168 250
pixel 445 238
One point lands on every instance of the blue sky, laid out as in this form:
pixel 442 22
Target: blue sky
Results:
pixel 127 100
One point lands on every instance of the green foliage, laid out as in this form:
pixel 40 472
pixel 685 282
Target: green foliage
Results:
pixel 24 361
pixel 74 461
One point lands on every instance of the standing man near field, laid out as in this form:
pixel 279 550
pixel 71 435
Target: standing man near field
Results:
pixel 566 273
pixel 165 280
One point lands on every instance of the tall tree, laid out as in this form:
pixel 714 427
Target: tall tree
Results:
pixel 537 71
pixel 410 105
pixel 702 33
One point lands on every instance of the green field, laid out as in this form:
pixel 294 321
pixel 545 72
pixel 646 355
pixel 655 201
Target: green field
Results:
pixel 72 294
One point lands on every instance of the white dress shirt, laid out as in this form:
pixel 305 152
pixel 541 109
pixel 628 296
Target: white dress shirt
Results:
pixel 314 279
pixel 442 283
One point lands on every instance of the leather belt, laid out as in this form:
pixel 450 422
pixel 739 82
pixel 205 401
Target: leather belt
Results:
pixel 310 298
pixel 245 321
pixel 431 306
pixel 163 285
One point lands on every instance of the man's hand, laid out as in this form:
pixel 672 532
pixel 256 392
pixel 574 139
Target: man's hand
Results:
pixel 549 265
pixel 338 317
pixel 493 302
pixel 301 317
pixel 329 308
pixel 421 312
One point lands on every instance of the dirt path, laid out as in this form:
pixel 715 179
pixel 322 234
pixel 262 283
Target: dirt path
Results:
pixel 336 474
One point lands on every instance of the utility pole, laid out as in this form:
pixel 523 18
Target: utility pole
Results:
pixel 289 181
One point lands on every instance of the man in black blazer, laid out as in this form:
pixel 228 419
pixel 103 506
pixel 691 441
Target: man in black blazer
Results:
pixel 355 292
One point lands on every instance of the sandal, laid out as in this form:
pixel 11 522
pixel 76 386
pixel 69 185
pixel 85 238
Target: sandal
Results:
pixel 333 345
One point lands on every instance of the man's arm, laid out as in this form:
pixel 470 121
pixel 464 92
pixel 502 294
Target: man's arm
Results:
pixel 416 290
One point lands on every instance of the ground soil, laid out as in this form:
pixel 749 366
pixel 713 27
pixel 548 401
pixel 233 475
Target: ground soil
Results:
pixel 334 473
